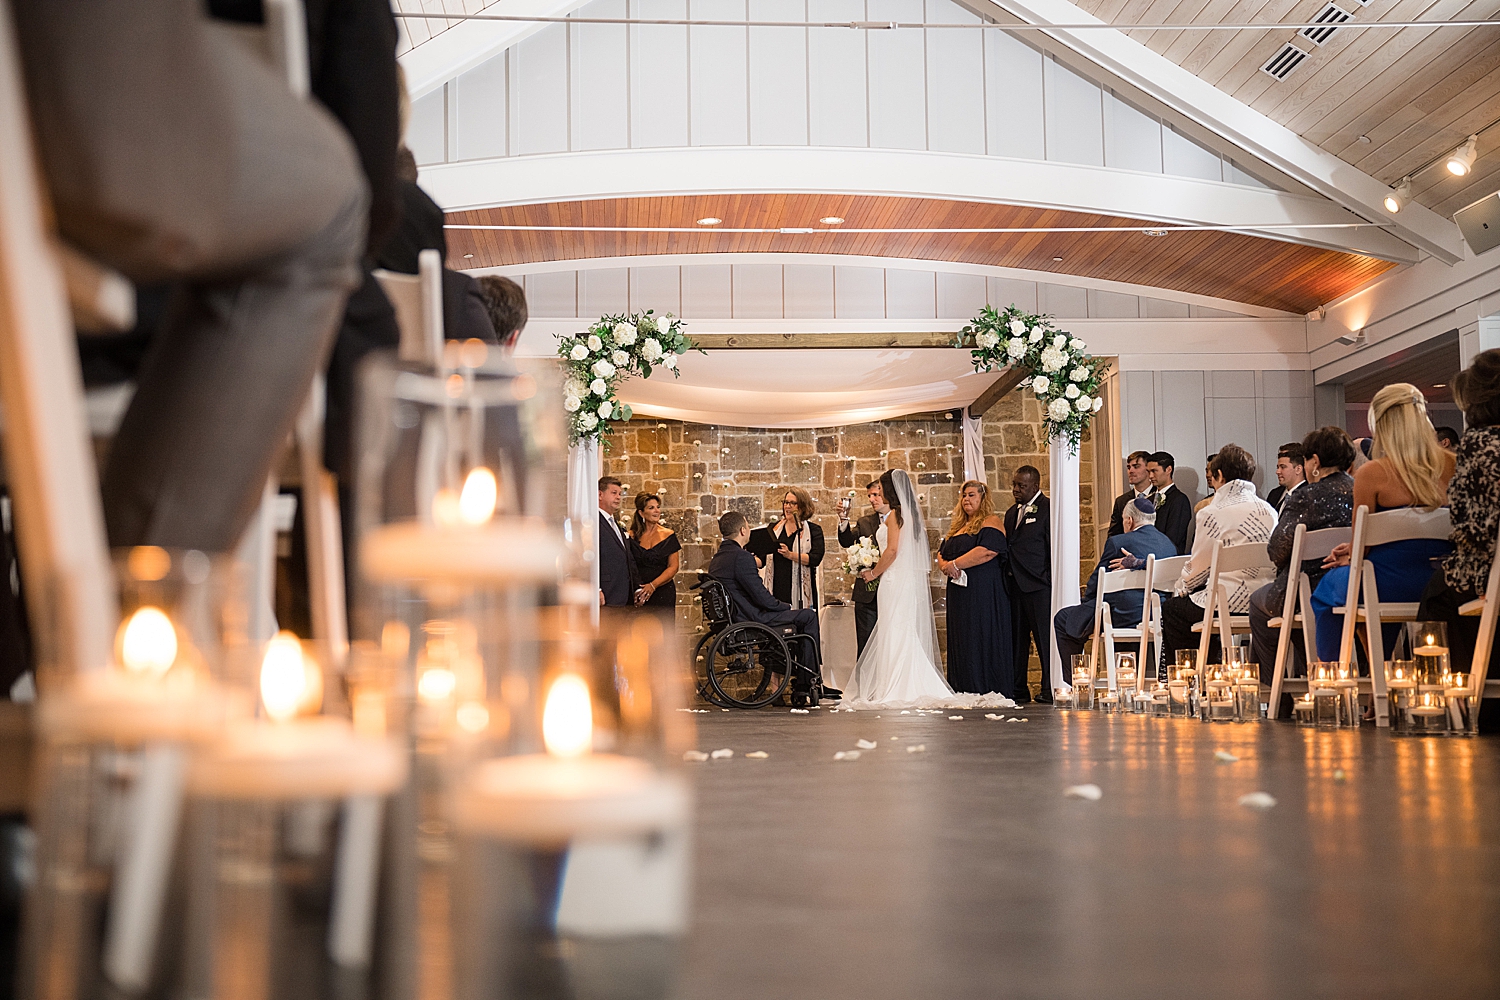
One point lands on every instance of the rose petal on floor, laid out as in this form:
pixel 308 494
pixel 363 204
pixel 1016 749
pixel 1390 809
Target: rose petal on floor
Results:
pixel 1225 757
pixel 695 755
pixel 757 755
pixel 724 754
pixel 846 755
pixel 917 748
pixel 800 711
pixel 1014 718
pixel 954 718
pixel 1092 793
pixel 994 717
pixel 866 744
pixel 1257 800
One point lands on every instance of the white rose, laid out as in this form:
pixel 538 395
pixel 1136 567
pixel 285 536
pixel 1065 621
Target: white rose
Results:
pixel 594 342
pixel 598 387
pixel 1059 341
pixel 603 368
pixel 670 360
pixel 1084 404
pixel 1059 409
pixel 985 341
pixel 620 358
pixel 1078 375
pixel 1040 385
pixel 571 403
pixel 1076 344
pixel 1098 405
pixel 1036 337
pixel 651 350
pixel 1016 347
pixel 1017 328
pixel 625 334
pixel 588 421
pixel 1071 391
pixel 1053 359
pixel 579 352
pixel 605 409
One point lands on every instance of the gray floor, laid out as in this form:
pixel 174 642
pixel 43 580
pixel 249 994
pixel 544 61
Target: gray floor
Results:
pixel 964 872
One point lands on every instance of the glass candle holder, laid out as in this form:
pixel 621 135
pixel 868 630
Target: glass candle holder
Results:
pixel 572 858
pixel 1183 684
pixel 1216 704
pixel 1427 712
pixel 1083 681
pixel 1247 703
pixel 1401 692
pixel 1304 710
pixel 1127 678
pixel 1335 700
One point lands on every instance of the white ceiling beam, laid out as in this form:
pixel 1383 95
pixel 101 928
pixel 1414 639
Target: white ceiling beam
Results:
pixel 636 173
pixel 432 63
pixel 1201 102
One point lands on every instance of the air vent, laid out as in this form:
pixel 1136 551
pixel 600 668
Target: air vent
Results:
pixel 1282 63
pixel 1325 24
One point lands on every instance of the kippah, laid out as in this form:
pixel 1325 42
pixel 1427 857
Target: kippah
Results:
pixel 1143 505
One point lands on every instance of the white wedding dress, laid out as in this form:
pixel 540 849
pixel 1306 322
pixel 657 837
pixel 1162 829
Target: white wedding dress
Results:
pixel 900 667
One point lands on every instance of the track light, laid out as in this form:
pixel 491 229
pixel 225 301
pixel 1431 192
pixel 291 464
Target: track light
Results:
pixel 1462 160
pixel 1398 196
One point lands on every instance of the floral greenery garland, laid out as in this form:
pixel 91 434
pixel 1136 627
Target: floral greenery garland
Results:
pixel 1065 378
pixel 596 361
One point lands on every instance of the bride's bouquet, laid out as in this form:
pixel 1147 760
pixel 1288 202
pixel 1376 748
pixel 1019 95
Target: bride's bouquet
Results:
pixel 863 555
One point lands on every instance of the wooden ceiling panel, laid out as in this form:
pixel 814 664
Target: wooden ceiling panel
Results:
pixel 1233 266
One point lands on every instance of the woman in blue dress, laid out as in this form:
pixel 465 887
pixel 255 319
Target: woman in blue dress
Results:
pixel 1408 468
pixel 979 637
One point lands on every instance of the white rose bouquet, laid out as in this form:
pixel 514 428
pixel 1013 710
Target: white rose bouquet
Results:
pixel 597 360
pixel 863 555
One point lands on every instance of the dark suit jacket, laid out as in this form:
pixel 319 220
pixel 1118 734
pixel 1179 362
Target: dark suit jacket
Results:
pixel 1142 542
pixel 617 573
pixel 1030 543
pixel 1275 497
pixel 849 535
pixel 1117 515
pixel 735 569
pixel 1174 515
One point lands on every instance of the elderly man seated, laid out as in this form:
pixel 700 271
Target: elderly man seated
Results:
pixel 1075 625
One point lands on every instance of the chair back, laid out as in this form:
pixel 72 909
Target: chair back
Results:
pixel 716 603
pixel 1485 641
pixel 1105 630
pixel 418 301
pixel 1318 544
pixel 1168 572
pixel 1382 528
pixel 1226 559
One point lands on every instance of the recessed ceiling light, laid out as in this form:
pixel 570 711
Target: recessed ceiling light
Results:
pixel 1441 385
pixel 1057 258
pixel 1462 160
pixel 709 220
pixel 832 220
pixel 1154 232
pixel 468 256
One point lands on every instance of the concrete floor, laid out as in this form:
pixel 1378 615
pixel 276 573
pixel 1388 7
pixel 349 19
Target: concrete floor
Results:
pixel 964 872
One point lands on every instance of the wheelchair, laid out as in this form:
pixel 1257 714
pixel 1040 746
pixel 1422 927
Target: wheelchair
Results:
pixel 747 664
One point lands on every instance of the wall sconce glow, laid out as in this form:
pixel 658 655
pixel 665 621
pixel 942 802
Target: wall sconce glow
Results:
pixel 283 677
pixel 568 718
pixel 1462 160
pixel 476 504
pixel 148 642
pixel 709 220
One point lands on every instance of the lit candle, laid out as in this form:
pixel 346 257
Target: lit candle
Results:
pixel 1303 707
pixel 1427 704
pixel 1178 690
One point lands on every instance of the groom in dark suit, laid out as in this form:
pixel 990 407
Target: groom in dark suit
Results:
pixel 617 573
pixel 866 611
pixel 1028 577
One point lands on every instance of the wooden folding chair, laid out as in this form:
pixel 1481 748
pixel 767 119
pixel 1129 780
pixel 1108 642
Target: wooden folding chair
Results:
pixel 1216 613
pixel 1105 631
pixel 1371 530
pixel 1296 608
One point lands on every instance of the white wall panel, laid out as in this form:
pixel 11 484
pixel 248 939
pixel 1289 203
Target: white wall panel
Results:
pixel 658 75
pixel 427 127
pixel 1013 291
pixel 600 90
pixel 1063 301
pixel 960 296
pixel 1232 383
pixel 1132 140
pixel 910 294
pixel 838 103
pixel 1180 419
pixel 955 81
pixel 1164 309
pixel 478 114
pixel 1014 123
pixel 538 91
pixel 1075 117
pixel 1113 305
pixel 757 291
pixel 858 292
pixel 897 78
pixel 807 290
pixel 718 91
pixel 1232 421
pixel 706 291
pixel 1138 411
pixel 552 293
pixel 606 290
pixel 778 75
pixel 1182 157
pixel 658 288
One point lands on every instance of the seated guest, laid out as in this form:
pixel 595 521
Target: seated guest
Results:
pixel 1407 468
pixel 1235 516
pixel 657 554
pixel 1326 500
pixel 980 640
pixel 1140 486
pixel 799 550
pixel 1448 438
pixel 1174 511
pixel 505 301
pixel 1289 473
pixel 1474 501
pixel 1075 625
pixel 735 569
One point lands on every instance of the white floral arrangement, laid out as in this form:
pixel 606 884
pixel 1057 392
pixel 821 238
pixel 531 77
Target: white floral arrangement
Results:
pixel 596 361
pixel 1059 370
pixel 860 556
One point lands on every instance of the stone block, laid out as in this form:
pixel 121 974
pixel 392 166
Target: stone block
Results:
pixel 927 478
pixel 827 444
pixel 838 475
pixel 926 460
pixel 863 441
pixel 749 506
pixel 801 471
pixel 1019 438
pixel 798 448
pixel 702 435
pixel 748 453
pixel 709 504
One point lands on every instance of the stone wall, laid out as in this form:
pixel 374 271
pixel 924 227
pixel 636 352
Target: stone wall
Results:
pixel 702 470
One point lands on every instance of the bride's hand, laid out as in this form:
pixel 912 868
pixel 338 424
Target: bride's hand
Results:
pixel 866 575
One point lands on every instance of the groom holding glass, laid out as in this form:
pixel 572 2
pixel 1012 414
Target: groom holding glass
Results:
pixel 866 612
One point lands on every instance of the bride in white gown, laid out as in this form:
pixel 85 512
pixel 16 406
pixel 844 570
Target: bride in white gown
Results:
pixel 900 667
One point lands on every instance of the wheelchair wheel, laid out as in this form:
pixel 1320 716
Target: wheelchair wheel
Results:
pixel 748 665
pixel 700 672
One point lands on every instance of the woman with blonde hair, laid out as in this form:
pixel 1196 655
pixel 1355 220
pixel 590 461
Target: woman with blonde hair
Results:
pixel 972 557
pixel 1408 468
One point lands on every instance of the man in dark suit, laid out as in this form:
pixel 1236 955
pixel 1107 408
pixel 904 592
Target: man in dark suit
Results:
pixel 865 609
pixel 617 574
pixel 1174 511
pixel 1075 625
pixel 1289 474
pixel 735 569
pixel 1028 577
pixel 1140 486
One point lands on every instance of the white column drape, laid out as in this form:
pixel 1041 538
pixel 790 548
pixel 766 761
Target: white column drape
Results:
pixel 973 428
pixel 1064 466
pixel 583 521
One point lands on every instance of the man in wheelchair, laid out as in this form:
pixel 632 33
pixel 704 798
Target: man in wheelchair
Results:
pixel 734 567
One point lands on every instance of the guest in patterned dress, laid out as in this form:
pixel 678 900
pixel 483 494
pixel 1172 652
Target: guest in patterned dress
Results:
pixel 1236 516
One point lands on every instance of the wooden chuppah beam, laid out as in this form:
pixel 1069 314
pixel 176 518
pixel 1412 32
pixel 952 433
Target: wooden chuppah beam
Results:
pixel 1007 380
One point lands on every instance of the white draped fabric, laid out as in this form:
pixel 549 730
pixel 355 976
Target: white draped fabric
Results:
pixel 1065 470
pixel 974 448
pixel 583 515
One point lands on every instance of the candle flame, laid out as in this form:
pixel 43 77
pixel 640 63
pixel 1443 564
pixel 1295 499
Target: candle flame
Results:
pixel 283 677
pixel 148 642
pixel 472 717
pixel 568 718
pixel 436 683
pixel 476 504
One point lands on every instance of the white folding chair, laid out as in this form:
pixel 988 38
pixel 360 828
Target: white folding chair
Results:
pixel 1485 607
pixel 1216 613
pixel 418 301
pixel 1166 574
pixel 1106 633
pixel 1371 530
pixel 1296 608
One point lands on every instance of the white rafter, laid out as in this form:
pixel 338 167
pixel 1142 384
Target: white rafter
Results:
pixel 469 43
